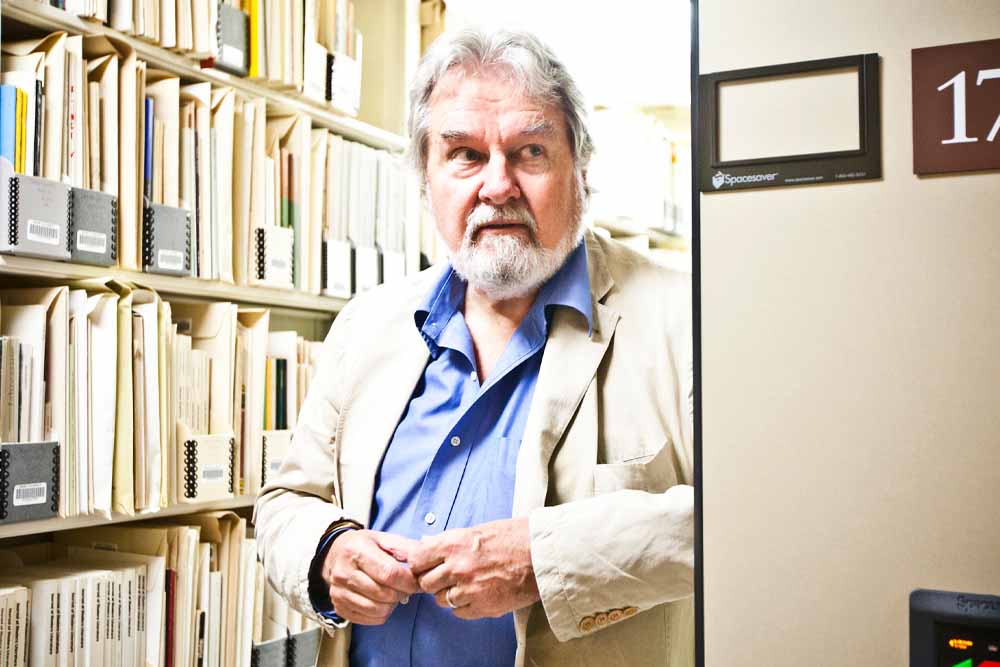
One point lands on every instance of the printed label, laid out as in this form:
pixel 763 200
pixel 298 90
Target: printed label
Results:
pixel 40 231
pixel 278 264
pixel 30 494
pixel 231 55
pixel 274 465
pixel 91 241
pixel 213 473
pixel 171 260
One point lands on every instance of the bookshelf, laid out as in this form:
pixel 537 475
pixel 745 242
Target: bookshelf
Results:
pixel 391 50
pixel 309 305
pixel 44 17
pixel 51 525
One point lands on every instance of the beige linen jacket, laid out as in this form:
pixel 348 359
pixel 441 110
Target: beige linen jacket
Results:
pixel 603 473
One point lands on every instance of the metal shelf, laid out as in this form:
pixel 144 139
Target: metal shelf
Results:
pixel 54 524
pixel 49 18
pixel 187 289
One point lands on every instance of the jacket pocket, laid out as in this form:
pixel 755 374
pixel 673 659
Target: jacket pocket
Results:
pixel 654 473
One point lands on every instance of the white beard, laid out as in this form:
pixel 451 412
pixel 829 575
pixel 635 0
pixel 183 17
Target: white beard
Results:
pixel 508 266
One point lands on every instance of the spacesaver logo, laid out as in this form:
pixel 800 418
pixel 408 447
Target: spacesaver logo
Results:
pixel 721 178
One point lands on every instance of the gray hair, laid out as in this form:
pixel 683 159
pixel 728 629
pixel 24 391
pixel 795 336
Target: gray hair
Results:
pixel 529 62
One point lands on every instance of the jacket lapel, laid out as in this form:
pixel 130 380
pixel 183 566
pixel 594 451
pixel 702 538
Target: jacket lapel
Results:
pixel 569 364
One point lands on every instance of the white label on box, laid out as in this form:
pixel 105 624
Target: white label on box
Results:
pixel 171 260
pixel 274 465
pixel 89 241
pixel 30 494
pixel 43 232
pixel 213 473
pixel 230 55
pixel 279 264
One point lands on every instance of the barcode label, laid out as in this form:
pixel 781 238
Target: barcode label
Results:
pixel 231 55
pixel 172 260
pixel 40 231
pixel 30 494
pixel 213 473
pixel 278 264
pixel 91 241
pixel 274 465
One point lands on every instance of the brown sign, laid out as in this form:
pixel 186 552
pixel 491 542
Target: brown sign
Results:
pixel 956 107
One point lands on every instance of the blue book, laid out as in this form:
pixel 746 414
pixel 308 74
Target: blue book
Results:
pixel 8 122
pixel 147 167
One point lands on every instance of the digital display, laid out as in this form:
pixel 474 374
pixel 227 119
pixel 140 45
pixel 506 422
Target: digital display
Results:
pixel 968 646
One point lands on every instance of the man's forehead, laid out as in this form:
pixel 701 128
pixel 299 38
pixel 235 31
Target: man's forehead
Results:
pixel 465 102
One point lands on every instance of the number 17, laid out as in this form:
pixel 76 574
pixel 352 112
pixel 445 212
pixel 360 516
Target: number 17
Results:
pixel 957 83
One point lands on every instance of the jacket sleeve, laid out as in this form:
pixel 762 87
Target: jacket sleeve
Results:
pixel 603 559
pixel 299 504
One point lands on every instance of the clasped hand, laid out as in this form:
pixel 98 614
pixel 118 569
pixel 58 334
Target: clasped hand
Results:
pixel 483 571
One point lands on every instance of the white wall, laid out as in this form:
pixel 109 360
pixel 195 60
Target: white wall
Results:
pixel 850 367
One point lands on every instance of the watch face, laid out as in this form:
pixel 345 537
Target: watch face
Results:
pixel 968 646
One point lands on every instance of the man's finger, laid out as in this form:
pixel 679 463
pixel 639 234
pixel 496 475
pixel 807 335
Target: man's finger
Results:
pixel 435 580
pixel 386 570
pixel 395 545
pixel 349 604
pixel 361 583
pixel 427 553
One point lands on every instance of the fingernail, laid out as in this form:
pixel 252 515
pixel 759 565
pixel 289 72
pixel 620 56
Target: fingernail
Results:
pixel 406 598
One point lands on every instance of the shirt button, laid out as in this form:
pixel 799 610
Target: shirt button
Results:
pixel 474 376
pixel 429 518
pixel 455 441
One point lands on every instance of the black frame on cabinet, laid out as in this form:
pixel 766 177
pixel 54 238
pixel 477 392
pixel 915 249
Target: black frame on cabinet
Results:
pixel 862 163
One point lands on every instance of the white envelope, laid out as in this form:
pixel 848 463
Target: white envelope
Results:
pixel 81 480
pixel 144 303
pixel 212 327
pixel 103 320
pixel 223 100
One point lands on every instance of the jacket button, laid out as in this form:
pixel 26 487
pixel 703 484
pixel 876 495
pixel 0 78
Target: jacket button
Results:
pixel 629 612
pixel 601 619
pixel 587 624
pixel 615 615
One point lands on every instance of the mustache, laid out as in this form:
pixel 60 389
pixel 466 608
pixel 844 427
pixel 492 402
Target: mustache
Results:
pixel 486 214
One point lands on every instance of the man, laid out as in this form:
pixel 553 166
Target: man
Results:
pixel 492 467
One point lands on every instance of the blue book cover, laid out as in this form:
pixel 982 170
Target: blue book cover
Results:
pixel 147 168
pixel 8 122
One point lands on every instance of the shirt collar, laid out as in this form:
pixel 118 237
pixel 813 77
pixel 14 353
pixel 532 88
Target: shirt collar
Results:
pixel 569 287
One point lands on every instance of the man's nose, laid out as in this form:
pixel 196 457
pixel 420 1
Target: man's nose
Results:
pixel 499 185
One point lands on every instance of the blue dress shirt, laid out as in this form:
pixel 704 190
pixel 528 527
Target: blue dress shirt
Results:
pixel 451 464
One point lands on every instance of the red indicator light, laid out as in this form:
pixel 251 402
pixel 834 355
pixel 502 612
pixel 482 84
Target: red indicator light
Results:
pixel 989 663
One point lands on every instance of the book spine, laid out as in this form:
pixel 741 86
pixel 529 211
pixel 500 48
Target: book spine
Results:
pixel 263 461
pixel 261 253
pixel 13 195
pixel 148 237
pixel 39 103
pixel 114 230
pixel 281 391
pixel 4 482
pixel 70 199
pixel 190 469
pixel 8 123
pixel 232 465
pixel 55 479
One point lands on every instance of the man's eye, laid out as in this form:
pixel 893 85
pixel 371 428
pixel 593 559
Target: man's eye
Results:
pixel 466 155
pixel 532 151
